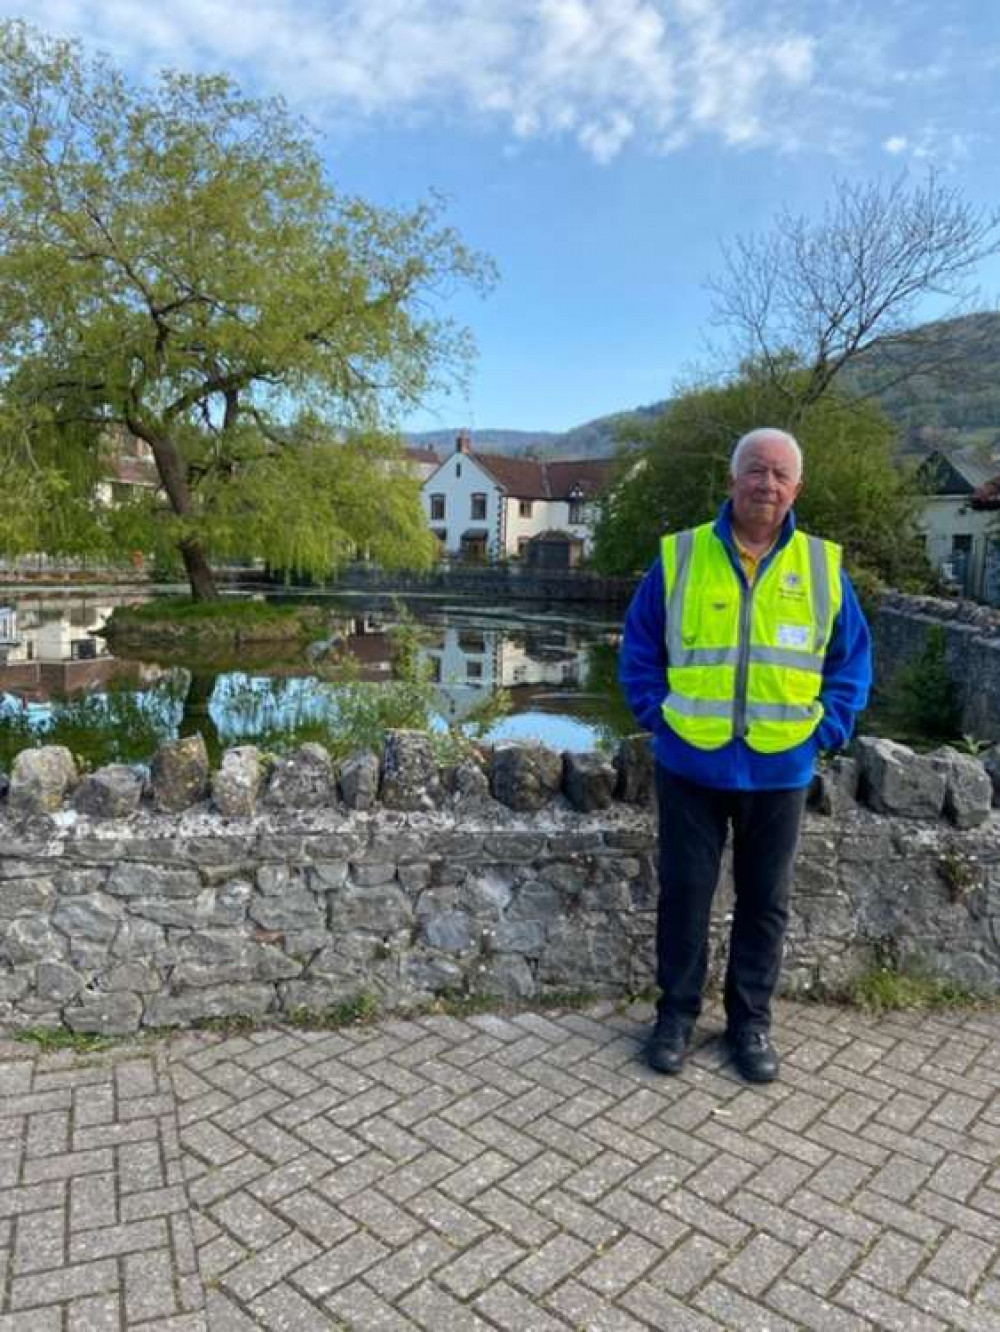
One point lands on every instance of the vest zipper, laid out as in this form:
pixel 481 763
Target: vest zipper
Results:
pixel 742 659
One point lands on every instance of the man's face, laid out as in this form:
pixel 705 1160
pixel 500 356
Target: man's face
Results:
pixel 765 487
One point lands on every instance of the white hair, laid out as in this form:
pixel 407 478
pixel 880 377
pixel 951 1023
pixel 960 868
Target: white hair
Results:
pixel 757 437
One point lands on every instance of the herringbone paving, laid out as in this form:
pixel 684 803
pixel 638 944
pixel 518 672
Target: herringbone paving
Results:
pixel 514 1173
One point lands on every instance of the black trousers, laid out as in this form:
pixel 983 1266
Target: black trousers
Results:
pixel 694 822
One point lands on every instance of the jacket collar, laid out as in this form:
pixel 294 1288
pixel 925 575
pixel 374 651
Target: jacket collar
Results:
pixel 723 528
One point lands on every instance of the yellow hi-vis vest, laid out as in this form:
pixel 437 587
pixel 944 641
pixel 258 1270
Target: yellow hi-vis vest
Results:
pixel 744 661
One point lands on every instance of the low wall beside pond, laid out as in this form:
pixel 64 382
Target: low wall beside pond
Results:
pixel 516 874
pixel 488 583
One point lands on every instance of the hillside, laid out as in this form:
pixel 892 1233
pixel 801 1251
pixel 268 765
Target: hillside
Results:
pixel 954 404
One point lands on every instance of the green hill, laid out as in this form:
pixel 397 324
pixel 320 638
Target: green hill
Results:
pixel 941 387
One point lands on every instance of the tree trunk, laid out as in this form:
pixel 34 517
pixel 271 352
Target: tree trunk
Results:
pixel 173 474
pixel 199 572
pixel 197 716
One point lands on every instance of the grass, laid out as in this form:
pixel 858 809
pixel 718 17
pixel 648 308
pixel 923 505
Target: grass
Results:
pixel 182 610
pixel 234 620
pixel 50 1039
pixel 883 989
pixel 357 1011
pixel 363 1009
pixel 886 989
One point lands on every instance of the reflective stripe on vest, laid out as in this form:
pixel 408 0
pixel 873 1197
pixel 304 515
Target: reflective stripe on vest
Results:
pixel 747 660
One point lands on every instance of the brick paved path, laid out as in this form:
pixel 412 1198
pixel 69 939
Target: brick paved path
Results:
pixel 522 1173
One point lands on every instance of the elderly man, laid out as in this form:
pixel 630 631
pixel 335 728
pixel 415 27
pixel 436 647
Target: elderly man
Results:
pixel 745 653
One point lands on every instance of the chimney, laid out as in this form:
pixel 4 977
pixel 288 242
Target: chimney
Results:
pixel 463 442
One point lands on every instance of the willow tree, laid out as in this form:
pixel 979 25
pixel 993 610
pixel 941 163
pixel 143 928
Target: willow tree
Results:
pixel 175 264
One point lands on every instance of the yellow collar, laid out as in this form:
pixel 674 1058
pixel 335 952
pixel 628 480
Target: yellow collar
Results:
pixel 748 561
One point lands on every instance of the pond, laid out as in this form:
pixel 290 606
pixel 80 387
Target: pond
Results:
pixel 553 667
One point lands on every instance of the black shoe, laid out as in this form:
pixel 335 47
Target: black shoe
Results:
pixel 667 1045
pixel 753 1054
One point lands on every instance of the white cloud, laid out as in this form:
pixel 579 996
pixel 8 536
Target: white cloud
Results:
pixel 605 73
pixel 896 144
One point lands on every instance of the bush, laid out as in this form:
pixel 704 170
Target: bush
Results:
pixel 921 700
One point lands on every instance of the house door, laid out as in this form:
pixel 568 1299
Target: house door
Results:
pixel 474 548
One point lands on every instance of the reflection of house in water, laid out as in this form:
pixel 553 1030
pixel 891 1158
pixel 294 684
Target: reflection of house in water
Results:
pixel 8 631
pixel 366 640
pixel 471 663
pixel 48 648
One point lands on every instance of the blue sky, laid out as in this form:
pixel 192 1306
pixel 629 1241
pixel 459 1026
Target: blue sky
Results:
pixel 599 150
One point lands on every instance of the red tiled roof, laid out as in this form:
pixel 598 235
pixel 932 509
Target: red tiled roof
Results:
pixel 591 475
pixel 427 456
pixel 526 478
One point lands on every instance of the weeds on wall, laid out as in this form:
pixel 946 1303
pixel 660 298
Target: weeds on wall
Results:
pixel 887 989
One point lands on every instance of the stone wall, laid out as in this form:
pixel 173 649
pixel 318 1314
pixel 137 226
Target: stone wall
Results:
pixel 972 652
pixel 513 582
pixel 516 874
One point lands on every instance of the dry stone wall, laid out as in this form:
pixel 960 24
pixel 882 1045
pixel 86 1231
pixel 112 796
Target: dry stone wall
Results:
pixel 972 651
pixel 133 900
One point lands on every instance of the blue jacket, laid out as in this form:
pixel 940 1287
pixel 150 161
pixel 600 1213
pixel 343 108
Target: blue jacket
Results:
pixel 642 670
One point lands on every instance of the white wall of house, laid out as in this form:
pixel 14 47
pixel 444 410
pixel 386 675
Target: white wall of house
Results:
pixel 546 516
pixel 521 528
pixel 950 525
pixel 459 478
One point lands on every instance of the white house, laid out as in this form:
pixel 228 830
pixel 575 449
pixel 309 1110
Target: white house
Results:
pixel 485 506
pixel 961 532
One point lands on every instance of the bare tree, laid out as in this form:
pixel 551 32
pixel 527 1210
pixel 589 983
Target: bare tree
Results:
pixel 815 294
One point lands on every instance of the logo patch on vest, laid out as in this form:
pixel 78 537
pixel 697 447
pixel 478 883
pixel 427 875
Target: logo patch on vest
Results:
pixel 791 580
pixel 793 635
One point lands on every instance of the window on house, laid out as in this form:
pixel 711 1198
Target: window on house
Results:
pixel 961 544
pixel 458 469
pixel 478 506
pixel 437 508
pixel 522 547
pixel 473 670
pixel 472 640
pixel 524 508
pixel 576 514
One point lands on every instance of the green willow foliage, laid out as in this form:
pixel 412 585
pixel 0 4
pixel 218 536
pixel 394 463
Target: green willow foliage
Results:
pixel 175 266
pixel 674 472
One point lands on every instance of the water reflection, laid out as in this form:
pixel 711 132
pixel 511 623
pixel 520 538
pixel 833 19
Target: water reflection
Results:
pixel 57 676
pixel 49 646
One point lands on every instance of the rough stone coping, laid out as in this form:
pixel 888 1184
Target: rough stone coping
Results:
pixel 406 776
pixel 984 619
